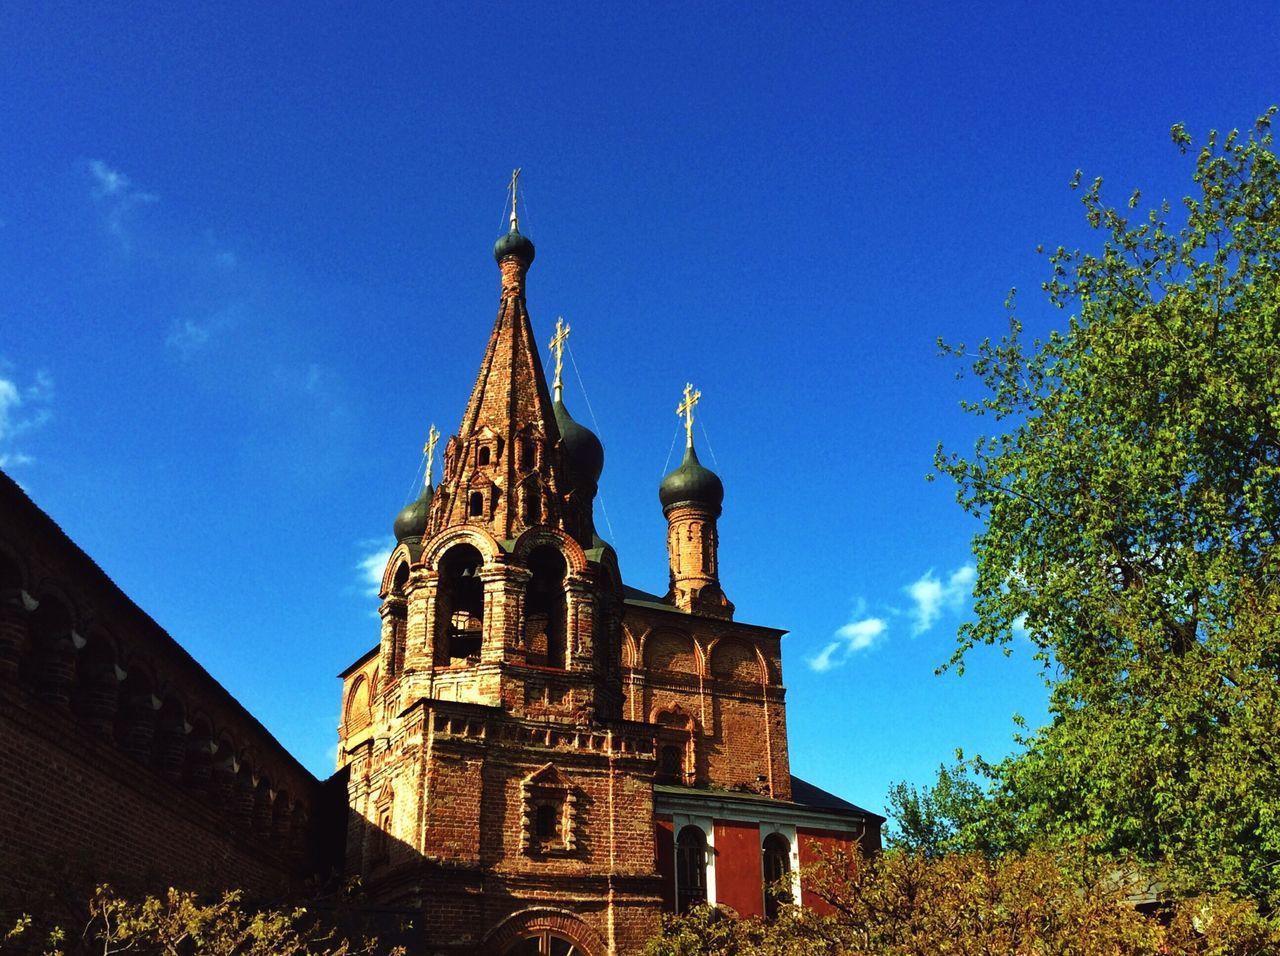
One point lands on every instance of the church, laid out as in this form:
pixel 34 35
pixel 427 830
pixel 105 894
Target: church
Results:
pixel 539 757
pixel 534 757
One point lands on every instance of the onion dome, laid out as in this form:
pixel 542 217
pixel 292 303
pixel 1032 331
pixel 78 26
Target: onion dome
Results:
pixel 513 244
pixel 585 452
pixel 691 484
pixel 411 522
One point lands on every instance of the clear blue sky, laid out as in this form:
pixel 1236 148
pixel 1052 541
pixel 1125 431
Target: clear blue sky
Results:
pixel 244 254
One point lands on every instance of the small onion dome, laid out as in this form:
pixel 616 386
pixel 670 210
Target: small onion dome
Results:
pixel 583 447
pixel 691 484
pixel 513 244
pixel 411 522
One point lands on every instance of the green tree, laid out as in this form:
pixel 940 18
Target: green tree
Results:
pixel 967 904
pixel 1129 500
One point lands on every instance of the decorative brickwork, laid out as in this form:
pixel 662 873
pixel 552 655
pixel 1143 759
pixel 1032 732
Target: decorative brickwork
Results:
pixel 525 709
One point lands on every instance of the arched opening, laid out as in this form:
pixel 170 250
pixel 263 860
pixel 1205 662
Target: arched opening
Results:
pixel 532 501
pixel 97 686
pixel 485 455
pixel 171 739
pixel 197 769
pixel 53 652
pixel 359 709
pixel 136 716
pixel 394 656
pixel 691 868
pixel 544 943
pixel 777 869
pixel 13 615
pixel 460 606
pixel 546 609
pixel 528 454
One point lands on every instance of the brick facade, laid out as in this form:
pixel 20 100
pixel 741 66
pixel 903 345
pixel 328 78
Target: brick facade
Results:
pixel 529 738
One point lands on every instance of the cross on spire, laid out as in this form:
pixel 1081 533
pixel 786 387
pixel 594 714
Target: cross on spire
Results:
pixel 685 408
pixel 515 175
pixel 557 348
pixel 429 449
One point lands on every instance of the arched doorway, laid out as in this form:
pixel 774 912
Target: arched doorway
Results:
pixel 544 932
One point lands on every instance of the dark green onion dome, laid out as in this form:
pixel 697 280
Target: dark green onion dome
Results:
pixel 584 449
pixel 513 244
pixel 691 484
pixel 411 522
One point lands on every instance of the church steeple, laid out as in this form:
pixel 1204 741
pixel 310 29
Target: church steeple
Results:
pixel 506 468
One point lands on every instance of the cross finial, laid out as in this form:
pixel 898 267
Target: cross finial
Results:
pixel 557 348
pixel 515 175
pixel 685 408
pixel 429 449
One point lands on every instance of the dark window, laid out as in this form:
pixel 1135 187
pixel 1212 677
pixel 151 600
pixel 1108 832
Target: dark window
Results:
pixel 777 864
pixel 484 455
pixel 546 821
pixel 476 503
pixel 527 454
pixel 691 868
pixel 671 764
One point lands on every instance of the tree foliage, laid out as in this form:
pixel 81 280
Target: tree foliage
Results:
pixel 179 923
pixel 966 904
pixel 1129 500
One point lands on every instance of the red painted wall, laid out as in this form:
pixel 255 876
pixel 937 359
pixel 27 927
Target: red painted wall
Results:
pixel 814 843
pixel 665 859
pixel 739 876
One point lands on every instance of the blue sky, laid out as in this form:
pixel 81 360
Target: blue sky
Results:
pixel 245 258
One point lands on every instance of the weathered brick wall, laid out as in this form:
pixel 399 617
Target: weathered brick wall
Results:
pixel 727 678
pixel 119 748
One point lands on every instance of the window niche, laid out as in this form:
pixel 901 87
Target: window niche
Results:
pixel 546 609
pixel 691 868
pixel 460 606
pixel 551 814
pixel 776 866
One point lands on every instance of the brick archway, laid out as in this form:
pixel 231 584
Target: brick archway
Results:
pixel 534 922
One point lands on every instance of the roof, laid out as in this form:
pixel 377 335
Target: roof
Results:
pixel 808 802
pixel 806 794
pixel 637 598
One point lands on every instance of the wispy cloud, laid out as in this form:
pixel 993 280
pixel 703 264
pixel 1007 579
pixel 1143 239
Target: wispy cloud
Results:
pixel 372 565
pixel 187 337
pixel 931 597
pixel 22 408
pixel 117 198
pixel 861 633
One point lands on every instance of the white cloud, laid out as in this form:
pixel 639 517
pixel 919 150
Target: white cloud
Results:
pixel 931 596
pixel 372 566
pixel 187 337
pixel 117 197
pixel 21 410
pixel 863 632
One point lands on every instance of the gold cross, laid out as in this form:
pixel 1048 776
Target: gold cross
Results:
pixel 685 408
pixel 515 175
pixel 429 449
pixel 557 347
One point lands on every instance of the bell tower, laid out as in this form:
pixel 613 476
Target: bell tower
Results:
pixel 511 598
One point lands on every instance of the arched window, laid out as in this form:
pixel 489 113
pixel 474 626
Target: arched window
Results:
pixel 485 454
pixel 545 608
pixel 544 943
pixel 777 865
pixel 691 868
pixel 461 605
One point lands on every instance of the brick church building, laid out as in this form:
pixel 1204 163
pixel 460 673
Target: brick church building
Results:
pixel 540 758
pixel 534 758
